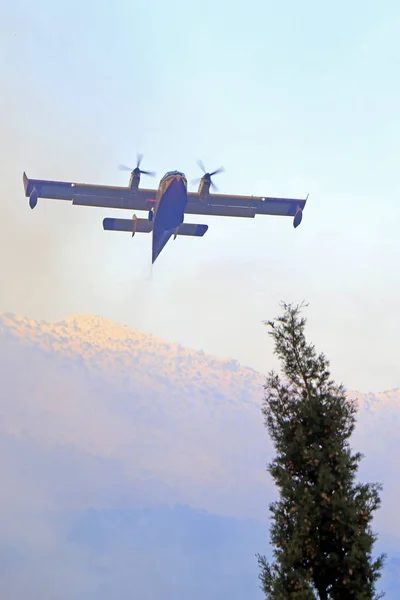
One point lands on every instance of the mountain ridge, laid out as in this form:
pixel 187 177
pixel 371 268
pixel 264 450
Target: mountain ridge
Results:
pixel 95 334
pixel 184 426
pixel 91 332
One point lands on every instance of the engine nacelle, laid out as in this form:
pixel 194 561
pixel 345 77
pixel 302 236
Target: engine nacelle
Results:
pixel 297 218
pixel 204 189
pixel 134 182
pixel 33 198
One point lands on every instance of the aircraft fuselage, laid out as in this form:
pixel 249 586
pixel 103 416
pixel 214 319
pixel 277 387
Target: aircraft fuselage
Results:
pixel 169 209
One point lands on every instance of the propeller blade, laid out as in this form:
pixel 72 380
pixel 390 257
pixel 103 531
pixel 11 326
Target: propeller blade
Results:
pixel 220 170
pixel 196 181
pixel 207 176
pixel 201 165
pixel 137 170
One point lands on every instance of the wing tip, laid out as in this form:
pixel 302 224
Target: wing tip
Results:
pixel 202 229
pixel 26 182
pixel 108 223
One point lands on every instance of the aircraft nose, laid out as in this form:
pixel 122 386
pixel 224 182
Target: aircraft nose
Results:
pixel 179 181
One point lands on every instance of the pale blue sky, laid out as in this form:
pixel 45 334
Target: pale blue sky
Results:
pixel 291 97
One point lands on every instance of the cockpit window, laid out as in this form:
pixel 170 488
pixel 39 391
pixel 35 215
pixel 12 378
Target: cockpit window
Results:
pixel 174 173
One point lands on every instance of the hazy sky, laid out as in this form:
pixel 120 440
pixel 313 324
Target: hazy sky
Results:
pixel 290 97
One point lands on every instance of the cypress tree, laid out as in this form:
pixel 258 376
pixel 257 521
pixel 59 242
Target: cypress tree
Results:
pixel 321 525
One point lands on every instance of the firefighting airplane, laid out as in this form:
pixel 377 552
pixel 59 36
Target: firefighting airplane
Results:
pixel 166 206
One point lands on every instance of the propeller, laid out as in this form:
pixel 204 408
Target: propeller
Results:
pixel 207 176
pixel 137 170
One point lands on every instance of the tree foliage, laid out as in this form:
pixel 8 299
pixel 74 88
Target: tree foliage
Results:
pixel 321 525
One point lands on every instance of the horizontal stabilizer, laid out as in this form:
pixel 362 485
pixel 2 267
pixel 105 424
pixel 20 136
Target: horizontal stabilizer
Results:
pixel 146 226
pixel 129 225
pixel 192 229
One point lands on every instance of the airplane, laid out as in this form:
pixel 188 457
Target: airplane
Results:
pixel 166 206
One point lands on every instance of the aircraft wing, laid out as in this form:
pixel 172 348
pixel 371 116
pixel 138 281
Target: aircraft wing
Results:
pixel 226 205
pixel 87 195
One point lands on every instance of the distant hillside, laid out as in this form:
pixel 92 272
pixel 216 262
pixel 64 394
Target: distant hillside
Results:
pixel 105 397
pixel 95 415
pixel 186 427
